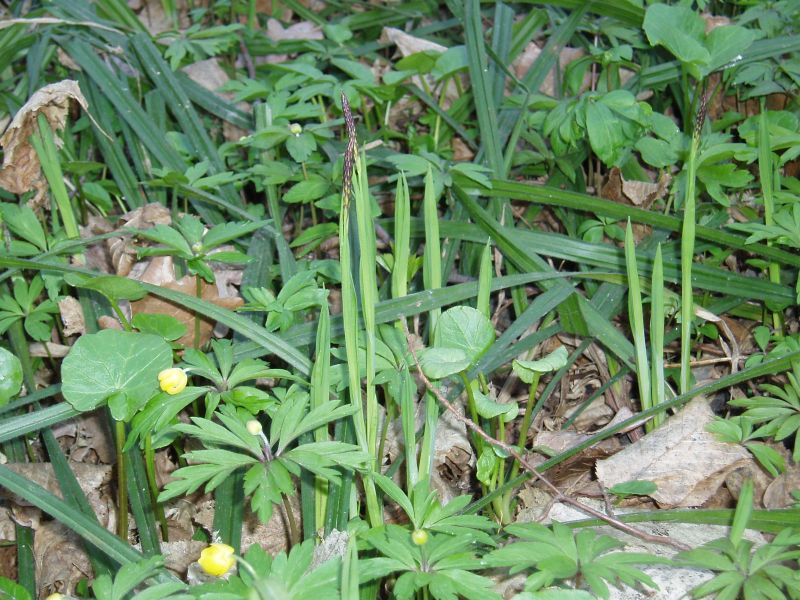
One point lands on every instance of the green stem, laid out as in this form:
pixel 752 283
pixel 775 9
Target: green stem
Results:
pixel 294 533
pixel 122 483
pixel 473 411
pixel 526 419
pixel 198 290
pixel 126 325
pixel 687 259
pixel 150 469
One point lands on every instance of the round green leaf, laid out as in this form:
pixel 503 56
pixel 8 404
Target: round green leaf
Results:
pixel 525 369
pixel 489 409
pixel 166 326
pixel 301 146
pixel 113 287
pixel 113 363
pixel 466 329
pixel 10 376
pixel 438 363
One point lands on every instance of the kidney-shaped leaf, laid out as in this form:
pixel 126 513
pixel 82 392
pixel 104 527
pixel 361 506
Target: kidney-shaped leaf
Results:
pixel 10 376
pixel 680 30
pixel 438 363
pixel 467 329
pixel 112 364
pixel 552 362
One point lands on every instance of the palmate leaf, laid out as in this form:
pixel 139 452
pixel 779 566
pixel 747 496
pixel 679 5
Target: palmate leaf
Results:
pixel 216 466
pixel 292 429
pixel 266 484
pixel 290 577
pixel 558 553
pixel 321 457
pixel 213 434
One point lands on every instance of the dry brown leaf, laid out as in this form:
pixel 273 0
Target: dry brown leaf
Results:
pixel 460 149
pixel 597 413
pixel 155 19
pixel 212 77
pixel 453 459
pixel 92 441
pixel 21 170
pixel 408 44
pixel 299 31
pixel 161 272
pixel 60 559
pixel 121 250
pixel 72 316
pixel 523 62
pixel 273 536
pixel 779 493
pixel 179 554
pixel 93 479
pixel 686 462
pixel 638 193
pixel 109 322
pixel 44 350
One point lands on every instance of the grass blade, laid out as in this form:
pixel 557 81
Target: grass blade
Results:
pixel 636 316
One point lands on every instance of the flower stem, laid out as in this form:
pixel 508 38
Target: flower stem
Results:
pixel 199 293
pixel 150 469
pixel 122 483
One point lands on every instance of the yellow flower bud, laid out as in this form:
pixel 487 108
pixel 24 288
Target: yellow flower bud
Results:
pixel 419 537
pixel 253 427
pixel 217 559
pixel 172 380
pixel 296 128
pixel 56 596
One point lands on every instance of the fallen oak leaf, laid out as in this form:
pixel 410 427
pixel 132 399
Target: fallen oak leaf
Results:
pixel 21 170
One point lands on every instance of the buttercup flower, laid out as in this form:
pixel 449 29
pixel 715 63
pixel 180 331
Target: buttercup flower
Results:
pixel 172 380
pixel 217 559
pixel 419 537
pixel 253 427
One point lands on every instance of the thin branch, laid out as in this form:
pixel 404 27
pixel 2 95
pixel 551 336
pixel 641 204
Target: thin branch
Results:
pixel 558 495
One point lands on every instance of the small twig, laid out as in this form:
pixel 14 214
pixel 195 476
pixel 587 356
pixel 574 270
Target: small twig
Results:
pixel 558 495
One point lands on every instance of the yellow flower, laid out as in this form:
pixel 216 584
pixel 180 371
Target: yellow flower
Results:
pixel 172 380
pixel 295 128
pixel 56 596
pixel 253 427
pixel 217 559
pixel 419 537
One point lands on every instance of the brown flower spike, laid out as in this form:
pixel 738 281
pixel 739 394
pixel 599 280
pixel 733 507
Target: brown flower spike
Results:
pixel 350 151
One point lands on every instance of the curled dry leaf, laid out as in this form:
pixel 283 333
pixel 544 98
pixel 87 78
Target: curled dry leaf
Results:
pixel 121 249
pixel 180 554
pixel 638 193
pixel 53 543
pixel 155 18
pixel 685 461
pixel 407 45
pixel 48 349
pixel 299 31
pixel 453 459
pixel 21 170
pixel 72 316
pixel 273 535
pixel 525 60
pixel 209 74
